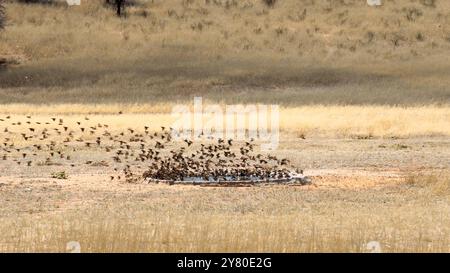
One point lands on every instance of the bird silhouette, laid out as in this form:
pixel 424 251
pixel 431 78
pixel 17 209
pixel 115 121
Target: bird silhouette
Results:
pixel 132 150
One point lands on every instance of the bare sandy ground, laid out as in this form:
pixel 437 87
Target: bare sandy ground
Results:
pixel 333 164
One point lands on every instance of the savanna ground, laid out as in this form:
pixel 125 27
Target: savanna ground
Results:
pixel 365 112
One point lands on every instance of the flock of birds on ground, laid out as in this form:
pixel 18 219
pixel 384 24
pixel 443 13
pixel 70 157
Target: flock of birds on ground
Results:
pixel 136 155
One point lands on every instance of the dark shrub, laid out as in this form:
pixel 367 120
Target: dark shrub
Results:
pixel 270 3
pixel 119 5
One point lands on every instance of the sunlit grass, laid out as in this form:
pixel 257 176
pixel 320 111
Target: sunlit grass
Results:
pixel 336 121
pixel 402 218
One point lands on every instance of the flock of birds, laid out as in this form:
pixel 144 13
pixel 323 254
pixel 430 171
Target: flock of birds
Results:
pixel 136 155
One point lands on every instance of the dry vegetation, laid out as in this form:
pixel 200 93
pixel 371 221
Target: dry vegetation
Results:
pixel 336 215
pixel 2 15
pixel 296 52
pixel 309 121
pixel 364 95
pixel 220 27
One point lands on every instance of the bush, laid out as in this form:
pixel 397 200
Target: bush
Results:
pixel 119 5
pixel 60 175
pixel 270 3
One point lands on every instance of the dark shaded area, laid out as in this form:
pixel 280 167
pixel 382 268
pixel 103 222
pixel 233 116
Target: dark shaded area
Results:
pixel 117 4
pixel 41 2
pixel 269 3
pixel 173 79
pixel 251 75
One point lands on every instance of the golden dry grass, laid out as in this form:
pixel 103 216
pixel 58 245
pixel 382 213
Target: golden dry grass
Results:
pixel 322 29
pixel 400 215
pixel 436 185
pixel 325 121
pixel 367 121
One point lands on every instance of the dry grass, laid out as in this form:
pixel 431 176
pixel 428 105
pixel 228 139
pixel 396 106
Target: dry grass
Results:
pixel 433 184
pixel 367 121
pixel 86 109
pixel 403 218
pixel 330 29
pixel 339 53
pixel 175 77
pixel 309 121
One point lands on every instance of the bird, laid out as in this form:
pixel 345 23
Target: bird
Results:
pixel 145 155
